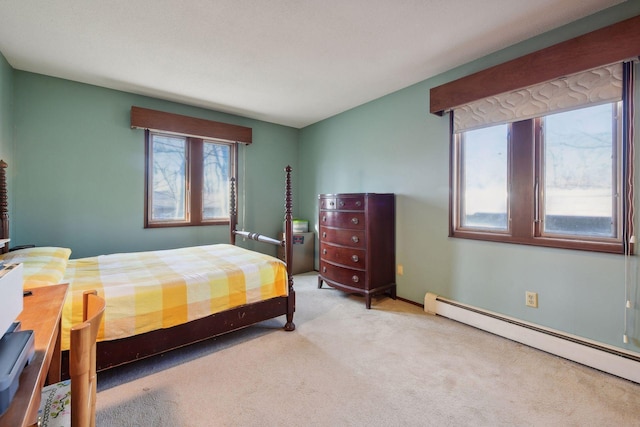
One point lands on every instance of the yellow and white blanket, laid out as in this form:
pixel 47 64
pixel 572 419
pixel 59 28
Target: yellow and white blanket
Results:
pixel 145 291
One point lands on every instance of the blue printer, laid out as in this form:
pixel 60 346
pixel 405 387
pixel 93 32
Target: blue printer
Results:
pixel 16 351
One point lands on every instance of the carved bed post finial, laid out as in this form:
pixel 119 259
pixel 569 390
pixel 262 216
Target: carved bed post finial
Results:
pixel 4 211
pixel 288 239
pixel 233 212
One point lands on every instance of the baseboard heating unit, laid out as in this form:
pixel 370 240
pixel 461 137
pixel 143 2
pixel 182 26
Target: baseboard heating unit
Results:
pixel 624 364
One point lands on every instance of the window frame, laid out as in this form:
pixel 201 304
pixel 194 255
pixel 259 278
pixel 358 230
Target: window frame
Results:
pixel 194 177
pixel 525 202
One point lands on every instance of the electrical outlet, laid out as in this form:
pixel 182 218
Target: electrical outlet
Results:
pixel 400 269
pixel 531 299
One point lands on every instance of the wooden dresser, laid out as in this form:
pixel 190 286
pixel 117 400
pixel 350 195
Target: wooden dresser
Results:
pixel 357 243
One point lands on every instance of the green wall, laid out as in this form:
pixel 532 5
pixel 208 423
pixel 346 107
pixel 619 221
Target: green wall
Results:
pixel 6 124
pixel 79 171
pixel 6 108
pixel 393 144
pixel 77 175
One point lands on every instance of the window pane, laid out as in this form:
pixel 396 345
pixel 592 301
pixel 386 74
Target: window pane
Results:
pixel 483 178
pixel 215 191
pixel 168 178
pixel 579 164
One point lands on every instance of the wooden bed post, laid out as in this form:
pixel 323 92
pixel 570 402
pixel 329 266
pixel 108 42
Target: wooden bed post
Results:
pixel 288 240
pixel 233 213
pixel 4 211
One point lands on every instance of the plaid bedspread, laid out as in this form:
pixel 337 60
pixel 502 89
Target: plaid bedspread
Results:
pixel 146 291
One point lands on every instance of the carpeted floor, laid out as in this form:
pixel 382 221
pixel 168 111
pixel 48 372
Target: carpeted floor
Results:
pixel 344 365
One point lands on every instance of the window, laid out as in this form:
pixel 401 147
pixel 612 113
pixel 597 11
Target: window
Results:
pixel 554 180
pixel 187 180
pixel 484 171
pixel 581 173
pixel 553 198
pixel 549 164
pixel 188 166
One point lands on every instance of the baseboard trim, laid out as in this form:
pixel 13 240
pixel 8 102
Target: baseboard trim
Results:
pixel 606 358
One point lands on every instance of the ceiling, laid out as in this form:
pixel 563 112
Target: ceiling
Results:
pixel 292 62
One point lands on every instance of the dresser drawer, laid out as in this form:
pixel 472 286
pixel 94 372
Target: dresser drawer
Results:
pixel 345 276
pixel 350 203
pixel 349 257
pixel 351 238
pixel 327 203
pixel 354 203
pixel 351 220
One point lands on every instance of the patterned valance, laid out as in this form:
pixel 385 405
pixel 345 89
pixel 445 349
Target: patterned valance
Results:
pixel 591 87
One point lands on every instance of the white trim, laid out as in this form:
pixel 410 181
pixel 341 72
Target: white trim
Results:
pixel 613 360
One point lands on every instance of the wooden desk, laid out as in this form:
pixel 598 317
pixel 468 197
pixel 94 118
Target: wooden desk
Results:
pixel 42 313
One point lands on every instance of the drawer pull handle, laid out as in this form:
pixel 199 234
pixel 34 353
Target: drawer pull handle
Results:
pixel 324 219
pixel 341 203
pixel 355 258
pixel 324 269
pixel 355 239
pixel 331 203
pixel 324 252
pixel 324 234
pixel 354 220
pixel 358 203
pixel 356 279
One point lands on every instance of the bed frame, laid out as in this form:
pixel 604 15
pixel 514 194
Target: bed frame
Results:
pixel 125 350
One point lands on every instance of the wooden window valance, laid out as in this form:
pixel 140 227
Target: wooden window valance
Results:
pixel 615 43
pixel 161 121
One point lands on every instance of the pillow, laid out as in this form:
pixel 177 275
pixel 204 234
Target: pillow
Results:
pixel 43 266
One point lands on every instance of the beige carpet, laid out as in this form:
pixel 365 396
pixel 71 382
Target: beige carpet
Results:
pixel 344 365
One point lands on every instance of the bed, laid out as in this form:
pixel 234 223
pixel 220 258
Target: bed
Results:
pixel 161 300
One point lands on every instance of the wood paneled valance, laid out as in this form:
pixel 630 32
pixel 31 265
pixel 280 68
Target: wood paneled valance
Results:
pixel 615 43
pixel 161 121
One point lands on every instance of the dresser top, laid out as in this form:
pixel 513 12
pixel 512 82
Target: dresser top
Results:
pixel 354 194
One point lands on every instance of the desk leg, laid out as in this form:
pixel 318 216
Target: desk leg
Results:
pixel 54 375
